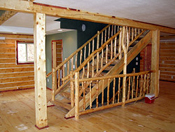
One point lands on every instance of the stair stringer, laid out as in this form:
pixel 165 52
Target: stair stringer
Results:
pixel 115 70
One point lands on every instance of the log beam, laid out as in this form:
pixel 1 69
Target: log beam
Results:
pixel 40 71
pixel 155 62
pixel 30 7
pixel 6 15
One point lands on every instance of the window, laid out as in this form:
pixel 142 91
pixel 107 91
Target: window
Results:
pixel 25 52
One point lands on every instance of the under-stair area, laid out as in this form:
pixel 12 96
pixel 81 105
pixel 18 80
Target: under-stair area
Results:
pixel 95 76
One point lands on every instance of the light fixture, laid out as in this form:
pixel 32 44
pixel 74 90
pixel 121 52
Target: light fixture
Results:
pixel 60 30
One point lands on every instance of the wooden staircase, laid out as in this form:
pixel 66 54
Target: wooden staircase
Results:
pixel 106 60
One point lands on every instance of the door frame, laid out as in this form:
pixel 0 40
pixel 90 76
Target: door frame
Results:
pixel 52 42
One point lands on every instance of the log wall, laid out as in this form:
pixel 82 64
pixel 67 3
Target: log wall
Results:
pixel 167 61
pixel 13 76
pixel 145 58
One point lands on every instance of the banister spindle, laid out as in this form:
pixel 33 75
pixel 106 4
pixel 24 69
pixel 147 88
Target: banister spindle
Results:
pixel 101 38
pixel 72 63
pixel 81 53
pixel 76 60
pixel 105 34
pixel 108 88
pixel 118 89
pixel 84 53
pixel 93 45
pixel 115 46
pixel 68 68
pixel 106 54
pixel 108 32
pixel 72 89
pixel 90 99
pixel 113 91
pixel 111 49
pixel 89 49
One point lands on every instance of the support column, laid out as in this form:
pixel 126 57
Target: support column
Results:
pixel 40 71
pixel 155 62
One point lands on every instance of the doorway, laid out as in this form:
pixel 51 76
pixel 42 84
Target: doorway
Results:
pixel 57 52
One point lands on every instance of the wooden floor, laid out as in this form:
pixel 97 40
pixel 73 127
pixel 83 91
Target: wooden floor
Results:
pixel 17 114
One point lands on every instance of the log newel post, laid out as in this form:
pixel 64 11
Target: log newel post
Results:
pixel 155 62
pixel 124 43
pixel 77 95
pixel 40 71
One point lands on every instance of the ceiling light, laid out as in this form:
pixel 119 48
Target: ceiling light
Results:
pixel 60 30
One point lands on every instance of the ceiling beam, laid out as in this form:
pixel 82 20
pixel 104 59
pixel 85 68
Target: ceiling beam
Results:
pixel 6 15
pixel 30 7
pixel 9 36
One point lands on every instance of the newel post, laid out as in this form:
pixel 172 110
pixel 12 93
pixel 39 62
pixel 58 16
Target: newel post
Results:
pixel 125 44
pixel 77 95
pixel 155 62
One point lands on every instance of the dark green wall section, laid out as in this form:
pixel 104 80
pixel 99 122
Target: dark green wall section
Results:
pixel 69 40
pixel 1 12
pixel 83 36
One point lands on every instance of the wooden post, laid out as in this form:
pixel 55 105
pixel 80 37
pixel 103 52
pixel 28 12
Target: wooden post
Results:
pixel 76 95
pixel 125 65
pixel 155 62
pixel 40 71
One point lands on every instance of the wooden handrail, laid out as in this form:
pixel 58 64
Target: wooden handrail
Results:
pixel 79 49
pixel 50 73
pixel 114 76
pixel 108 41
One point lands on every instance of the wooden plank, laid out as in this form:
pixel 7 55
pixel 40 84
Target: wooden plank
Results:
pixel 30 7
pixel 13 65
pixel 16 88
pixel 7 56
pixel 6 51
pixel 7 41
pixel 155 62
pixel 6 15
pixel 17 79
pixel 9 37
pixel 18 74
pixel 8 45
pixel 6 61
pixel 9 70
pixel 40 71
pixel 13 84
pixel 167 69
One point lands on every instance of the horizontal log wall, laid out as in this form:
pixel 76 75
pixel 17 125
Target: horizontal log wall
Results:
pixel 13 76
pixel 167 61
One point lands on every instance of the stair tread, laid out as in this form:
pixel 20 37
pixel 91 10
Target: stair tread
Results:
pixel 66 95
pixel 66 105
pixel 108 68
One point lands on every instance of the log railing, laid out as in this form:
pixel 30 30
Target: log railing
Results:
pixel 109 88
pixel 61 73
pixel 96 62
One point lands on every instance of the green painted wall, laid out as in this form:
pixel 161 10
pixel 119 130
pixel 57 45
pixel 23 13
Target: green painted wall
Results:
pixel 69 40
